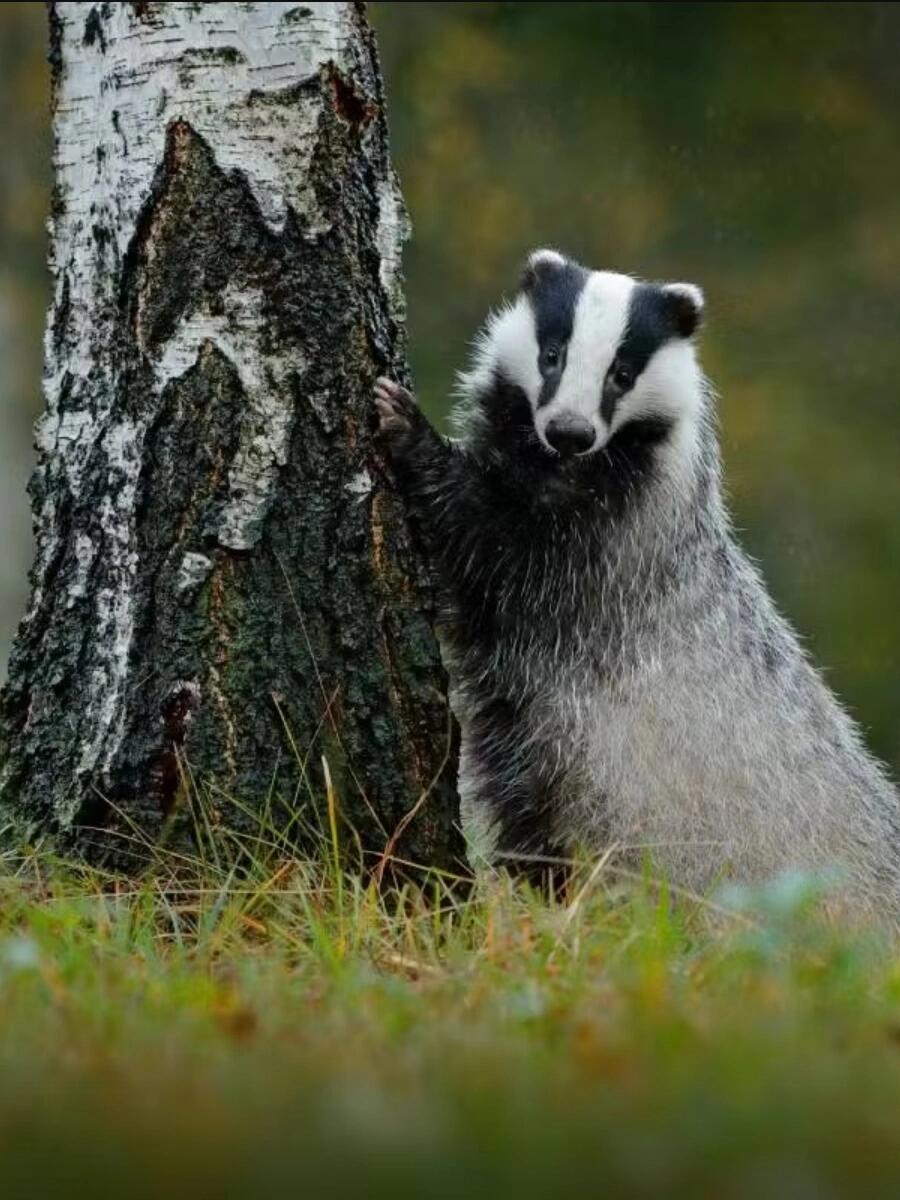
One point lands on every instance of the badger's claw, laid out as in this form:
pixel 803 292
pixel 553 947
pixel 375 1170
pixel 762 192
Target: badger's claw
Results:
pixel 397 410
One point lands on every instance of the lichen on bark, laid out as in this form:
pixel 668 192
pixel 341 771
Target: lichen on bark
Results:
pixel 224 577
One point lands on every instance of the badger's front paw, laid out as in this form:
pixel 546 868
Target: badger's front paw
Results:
pixel 397 411
pixel 405 434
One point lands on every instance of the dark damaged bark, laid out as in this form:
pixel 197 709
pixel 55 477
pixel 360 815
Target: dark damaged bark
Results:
pixel 224 580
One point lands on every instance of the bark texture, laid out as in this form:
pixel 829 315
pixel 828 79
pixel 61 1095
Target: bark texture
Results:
pixel 223 576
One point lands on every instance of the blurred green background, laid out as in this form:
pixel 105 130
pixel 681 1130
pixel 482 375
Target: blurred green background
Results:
pixel 751 148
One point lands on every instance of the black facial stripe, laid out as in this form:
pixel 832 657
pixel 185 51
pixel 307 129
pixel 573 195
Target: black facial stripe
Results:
pixel 552 377
pixel 650 325
pixel 553 289
pixel 553 296
pixel 609 400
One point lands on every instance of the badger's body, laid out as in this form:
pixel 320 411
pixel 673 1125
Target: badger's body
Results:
pixel 620 674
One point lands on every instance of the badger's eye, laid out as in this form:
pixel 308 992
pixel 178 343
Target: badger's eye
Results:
pixel 551 356
pixel 622 376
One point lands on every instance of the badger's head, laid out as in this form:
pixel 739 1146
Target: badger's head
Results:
pixel 579 358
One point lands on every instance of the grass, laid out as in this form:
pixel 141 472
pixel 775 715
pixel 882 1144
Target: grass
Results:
pixel 286 1030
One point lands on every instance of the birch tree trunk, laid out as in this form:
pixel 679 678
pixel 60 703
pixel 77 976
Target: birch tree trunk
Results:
pixel 223 578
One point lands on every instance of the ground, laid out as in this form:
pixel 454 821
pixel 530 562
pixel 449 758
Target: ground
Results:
pixel 284 1029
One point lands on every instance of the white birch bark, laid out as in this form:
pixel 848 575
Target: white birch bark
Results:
pixel 222 179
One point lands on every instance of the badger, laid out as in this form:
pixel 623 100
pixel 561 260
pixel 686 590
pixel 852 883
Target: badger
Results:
pixel 621 677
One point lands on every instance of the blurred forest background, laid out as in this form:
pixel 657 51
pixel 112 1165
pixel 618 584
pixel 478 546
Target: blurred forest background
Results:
pixel 751 148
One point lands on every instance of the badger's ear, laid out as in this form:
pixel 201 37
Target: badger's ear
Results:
pixel 684 307
pixel 539 264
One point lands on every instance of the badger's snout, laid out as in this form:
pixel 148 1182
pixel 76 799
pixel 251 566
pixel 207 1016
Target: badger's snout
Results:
pixel 569 434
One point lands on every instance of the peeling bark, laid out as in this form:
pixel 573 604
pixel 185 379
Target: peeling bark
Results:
pixel 223 576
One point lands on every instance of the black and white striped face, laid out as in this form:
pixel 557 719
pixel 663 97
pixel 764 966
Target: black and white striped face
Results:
pixel 593 351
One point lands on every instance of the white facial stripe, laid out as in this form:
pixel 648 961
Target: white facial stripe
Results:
pixel 601 315
pixel 516 345
pixel 508 342
pixel 669 386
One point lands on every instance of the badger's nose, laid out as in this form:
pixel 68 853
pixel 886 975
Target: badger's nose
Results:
pixel 569 434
